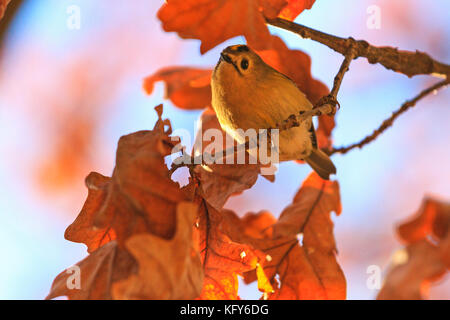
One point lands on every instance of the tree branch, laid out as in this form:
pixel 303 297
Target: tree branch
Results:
pixel 327 104
pixel 388 122
pixel 406 62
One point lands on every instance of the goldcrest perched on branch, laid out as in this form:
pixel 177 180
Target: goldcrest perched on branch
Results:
pixel 249 94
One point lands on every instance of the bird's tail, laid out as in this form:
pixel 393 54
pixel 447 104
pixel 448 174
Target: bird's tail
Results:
pixel 321 164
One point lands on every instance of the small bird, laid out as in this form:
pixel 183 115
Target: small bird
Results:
pixel 247 93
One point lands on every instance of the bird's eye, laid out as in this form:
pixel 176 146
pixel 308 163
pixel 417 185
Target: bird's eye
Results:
pixel 244 64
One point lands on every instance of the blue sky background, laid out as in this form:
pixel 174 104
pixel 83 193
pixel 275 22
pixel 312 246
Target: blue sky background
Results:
pixel 380 184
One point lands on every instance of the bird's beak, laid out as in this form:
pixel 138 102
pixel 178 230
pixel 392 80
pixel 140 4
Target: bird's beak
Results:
pixel 224 56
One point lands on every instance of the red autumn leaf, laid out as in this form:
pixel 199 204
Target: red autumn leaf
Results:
pixel 168 269
pixel 97 273
pixel 222 258
pixel 426 257
pixel 433 218
pixel 187 88
pixel 307 267
pixel 294 8
pixel 214 21
pixel 3 5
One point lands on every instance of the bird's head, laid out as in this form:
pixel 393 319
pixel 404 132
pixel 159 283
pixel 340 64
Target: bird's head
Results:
pixel 238 64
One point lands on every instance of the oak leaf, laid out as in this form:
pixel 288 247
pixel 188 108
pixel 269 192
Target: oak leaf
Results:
pixel 140 197
pixel 410 278
pixel 426 257
pixel 97 273
pixel 309 213
pixel 82 230
pixel 214 21
pixel 223 259
pixel 294 8
pixel 3 5
pixel 220 181
pixel 433 218
pixel 301 248
pixel 168 269
pixel 187 88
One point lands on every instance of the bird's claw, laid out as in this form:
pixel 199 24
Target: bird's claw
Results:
pixel 330 100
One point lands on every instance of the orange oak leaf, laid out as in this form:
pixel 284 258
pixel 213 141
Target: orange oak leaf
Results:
pixel 3 5
pixel 222 258
pixel 433 218
pixel 409 279
pixel 220 181
pixel 301 249
pixel 140 197
pixel 187 88
pixel 168 269
pixel 214 21
pixel 308 218
pixel 309 213
pixel 97 273
pixel 258 225
pixel 426 257
pixel 294 8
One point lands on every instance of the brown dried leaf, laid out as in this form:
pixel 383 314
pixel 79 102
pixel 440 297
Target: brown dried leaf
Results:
pixel 139 198
pixel 220 181
pixel 82 230
pixel 168 269
pixel 187 88
pixel 98 272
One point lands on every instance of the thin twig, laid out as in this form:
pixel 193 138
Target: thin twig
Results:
pixel 406 62
pixel 186 160
pixel 388 122
pixel 327 104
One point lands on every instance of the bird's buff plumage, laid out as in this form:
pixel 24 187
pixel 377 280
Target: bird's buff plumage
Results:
pixel 249 94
